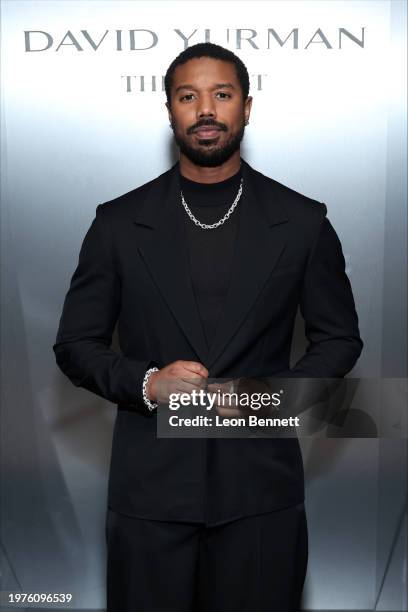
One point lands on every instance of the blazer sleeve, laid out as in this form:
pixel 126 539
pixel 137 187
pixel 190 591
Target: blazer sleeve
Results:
pixel 331 327
pixel 83 344
pixel 328 308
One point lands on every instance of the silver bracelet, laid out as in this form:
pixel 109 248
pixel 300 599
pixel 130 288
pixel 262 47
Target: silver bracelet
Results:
pixel 149 404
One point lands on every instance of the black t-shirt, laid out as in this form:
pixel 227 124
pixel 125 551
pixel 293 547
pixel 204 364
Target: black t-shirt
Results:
pixel 211 250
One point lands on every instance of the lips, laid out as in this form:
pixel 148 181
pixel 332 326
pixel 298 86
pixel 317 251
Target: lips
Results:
pixel 207 132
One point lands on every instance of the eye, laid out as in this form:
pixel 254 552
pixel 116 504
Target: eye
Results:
pixel 186 96
pixel 223 93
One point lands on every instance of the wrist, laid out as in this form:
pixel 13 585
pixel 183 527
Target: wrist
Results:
pixel 146 389
pixel 150 390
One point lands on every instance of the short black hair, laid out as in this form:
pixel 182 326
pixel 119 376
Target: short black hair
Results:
pixel 207 50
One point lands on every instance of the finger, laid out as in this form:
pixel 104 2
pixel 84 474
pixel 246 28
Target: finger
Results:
pixel 229 412
pixel 226 400
pixel 219 387
pixel 185 386
pixel 194 383
pixel 188 387
pixel 196 368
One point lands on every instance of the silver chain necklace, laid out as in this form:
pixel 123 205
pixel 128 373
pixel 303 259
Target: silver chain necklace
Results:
pixel 221 221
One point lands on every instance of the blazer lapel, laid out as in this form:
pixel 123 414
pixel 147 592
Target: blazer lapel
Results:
pixel 163 247
pixel 259 245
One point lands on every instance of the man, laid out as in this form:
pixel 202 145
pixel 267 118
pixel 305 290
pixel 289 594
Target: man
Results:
pixel 204 268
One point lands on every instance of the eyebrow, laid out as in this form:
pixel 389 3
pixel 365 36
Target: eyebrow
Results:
pixel 216 86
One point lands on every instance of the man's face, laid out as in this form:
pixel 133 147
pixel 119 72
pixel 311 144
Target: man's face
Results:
pixel 208 111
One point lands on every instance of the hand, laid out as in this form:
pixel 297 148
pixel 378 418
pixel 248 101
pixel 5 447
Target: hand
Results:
pixel 228 406
pixel 176 377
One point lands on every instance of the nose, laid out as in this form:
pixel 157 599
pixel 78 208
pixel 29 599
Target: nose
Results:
pixel 206 107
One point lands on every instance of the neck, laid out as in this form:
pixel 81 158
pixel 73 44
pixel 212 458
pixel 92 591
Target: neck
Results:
pixel 204 174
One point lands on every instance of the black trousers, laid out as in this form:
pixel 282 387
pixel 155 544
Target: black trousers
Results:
pixel 252 564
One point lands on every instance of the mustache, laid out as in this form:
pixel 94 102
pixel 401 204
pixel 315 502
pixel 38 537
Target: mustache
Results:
pixel 207 123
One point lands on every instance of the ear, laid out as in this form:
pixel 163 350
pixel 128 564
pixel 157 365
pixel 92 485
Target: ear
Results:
pixel 168 111
pixel 247 107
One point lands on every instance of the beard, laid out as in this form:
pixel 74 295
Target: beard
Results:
pixel 207 154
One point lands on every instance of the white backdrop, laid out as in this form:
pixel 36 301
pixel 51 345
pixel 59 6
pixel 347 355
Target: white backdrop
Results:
pixel 327 120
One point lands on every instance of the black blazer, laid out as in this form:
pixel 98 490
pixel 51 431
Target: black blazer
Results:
pixel 133 270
